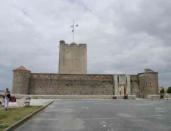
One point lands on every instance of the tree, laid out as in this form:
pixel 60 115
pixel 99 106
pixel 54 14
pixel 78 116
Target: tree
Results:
pixel 162 91
pixel 169 90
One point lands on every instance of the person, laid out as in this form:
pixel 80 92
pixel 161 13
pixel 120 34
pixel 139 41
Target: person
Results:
pixel 0 103
pixel 7 98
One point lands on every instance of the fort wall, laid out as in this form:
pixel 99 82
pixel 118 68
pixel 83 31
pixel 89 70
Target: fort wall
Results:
pixel 134 80
pixel 56 84
pixel 141 85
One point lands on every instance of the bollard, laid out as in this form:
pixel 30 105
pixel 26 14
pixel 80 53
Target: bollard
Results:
pixel 27 101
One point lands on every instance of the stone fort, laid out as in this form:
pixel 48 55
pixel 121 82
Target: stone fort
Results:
pixel 73 79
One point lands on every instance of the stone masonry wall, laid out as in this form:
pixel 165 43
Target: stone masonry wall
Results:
pixel 72 58
pixel 148 83
pixel 141 85
pixel 21 81
pixel 122 84
pixel 135 85
pixel 56 84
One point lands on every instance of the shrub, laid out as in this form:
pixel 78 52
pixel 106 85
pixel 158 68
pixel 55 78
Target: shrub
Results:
pixel 162 91
pixel 169 90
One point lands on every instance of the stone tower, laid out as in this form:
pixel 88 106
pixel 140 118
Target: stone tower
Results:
pixel 72 58
pixel 21 77
pixel 148 83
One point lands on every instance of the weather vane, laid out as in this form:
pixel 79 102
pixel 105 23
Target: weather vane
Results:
pixel 73 26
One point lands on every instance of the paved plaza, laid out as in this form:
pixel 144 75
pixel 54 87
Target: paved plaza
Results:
pixel 102 115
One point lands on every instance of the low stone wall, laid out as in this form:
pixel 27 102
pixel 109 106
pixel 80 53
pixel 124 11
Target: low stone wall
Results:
pixel 18 96
pixel 153 97
pixel 133 97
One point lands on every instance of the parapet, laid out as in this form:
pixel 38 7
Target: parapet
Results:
pixel 73 44
pixel 62 42
pixel 148 71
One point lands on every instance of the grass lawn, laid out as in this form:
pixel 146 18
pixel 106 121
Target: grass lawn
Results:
pixel 13 115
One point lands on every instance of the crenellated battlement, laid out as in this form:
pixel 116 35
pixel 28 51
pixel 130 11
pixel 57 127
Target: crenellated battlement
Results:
pixel 73 44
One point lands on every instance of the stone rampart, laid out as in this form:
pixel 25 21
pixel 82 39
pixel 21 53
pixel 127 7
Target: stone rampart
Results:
pixel 141 85
pixel 56 84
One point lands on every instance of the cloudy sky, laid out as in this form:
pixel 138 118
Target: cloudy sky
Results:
pixel 122 36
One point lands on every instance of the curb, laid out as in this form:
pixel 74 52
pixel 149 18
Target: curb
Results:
pixel 18 123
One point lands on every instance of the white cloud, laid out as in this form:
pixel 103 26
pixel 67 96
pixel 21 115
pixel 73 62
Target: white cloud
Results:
pixel 122 36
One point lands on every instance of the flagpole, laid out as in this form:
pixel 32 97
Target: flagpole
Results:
pixel 73 29
pixel 73 26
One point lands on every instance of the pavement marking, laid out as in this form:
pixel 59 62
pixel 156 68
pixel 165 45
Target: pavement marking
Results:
pixel 160 110
pixel 125 115
pixel 84 107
